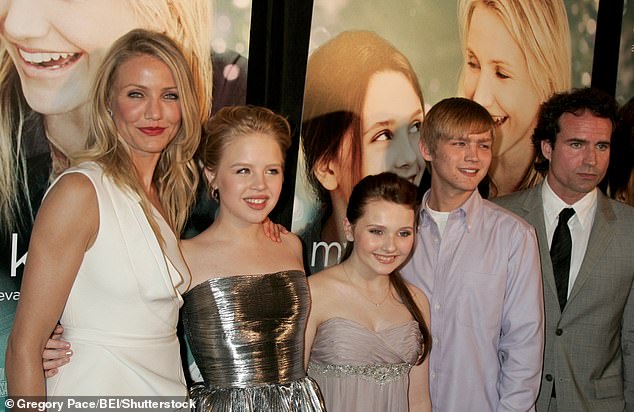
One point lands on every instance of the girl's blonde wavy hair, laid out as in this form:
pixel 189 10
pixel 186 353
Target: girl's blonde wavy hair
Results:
pixel 187 22
pixel 176 174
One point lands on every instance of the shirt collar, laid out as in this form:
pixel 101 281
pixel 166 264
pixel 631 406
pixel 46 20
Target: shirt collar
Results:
pixel 553 205
pixel 466 212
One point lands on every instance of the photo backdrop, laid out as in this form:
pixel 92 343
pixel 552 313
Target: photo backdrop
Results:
pixel 35 160
pixel 625 74
pixel 427 33
pixel 424 31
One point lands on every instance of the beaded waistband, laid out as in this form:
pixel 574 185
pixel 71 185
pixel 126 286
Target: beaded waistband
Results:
pixel 380 373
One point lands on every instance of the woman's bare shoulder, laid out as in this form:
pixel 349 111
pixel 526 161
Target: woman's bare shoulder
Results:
pixel 72 194
pixel 327 278
pixel 292 242
pixel 75 184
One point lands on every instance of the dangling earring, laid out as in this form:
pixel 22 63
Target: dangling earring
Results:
pixel 215 194
pixel 109 110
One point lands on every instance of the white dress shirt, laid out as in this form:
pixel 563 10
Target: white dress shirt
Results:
pixel 580 225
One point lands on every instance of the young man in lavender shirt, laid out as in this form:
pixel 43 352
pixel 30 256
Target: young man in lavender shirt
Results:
pixel 479 266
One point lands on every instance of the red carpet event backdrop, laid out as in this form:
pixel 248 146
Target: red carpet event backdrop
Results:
pixel 373 70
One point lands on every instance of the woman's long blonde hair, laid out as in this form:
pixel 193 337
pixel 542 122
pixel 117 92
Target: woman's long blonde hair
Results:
pixel 540 29
pixel 176 174
pixel 188 22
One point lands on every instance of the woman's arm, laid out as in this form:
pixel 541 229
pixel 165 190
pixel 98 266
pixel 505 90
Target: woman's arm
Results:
pixel 418 395
pixel 64 229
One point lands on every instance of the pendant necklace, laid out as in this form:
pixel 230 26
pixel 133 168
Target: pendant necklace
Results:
pixel 376 305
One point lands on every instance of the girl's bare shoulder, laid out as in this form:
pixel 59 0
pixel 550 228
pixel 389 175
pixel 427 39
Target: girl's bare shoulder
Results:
pixel 330 278
pixel 291 240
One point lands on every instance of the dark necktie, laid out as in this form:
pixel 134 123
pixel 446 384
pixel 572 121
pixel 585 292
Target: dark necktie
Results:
pixel 560 250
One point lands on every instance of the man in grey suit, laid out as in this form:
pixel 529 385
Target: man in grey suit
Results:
pixel 587 263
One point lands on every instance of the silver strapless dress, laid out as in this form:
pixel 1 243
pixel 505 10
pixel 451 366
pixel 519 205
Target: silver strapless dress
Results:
pixel 247 336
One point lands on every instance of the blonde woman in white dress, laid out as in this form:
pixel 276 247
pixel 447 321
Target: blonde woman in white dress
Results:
pixel 103 256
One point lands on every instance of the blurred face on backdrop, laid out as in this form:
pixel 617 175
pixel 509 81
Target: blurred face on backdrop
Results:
pixel 496 76
pixel 391 118
pixel 57 46
pixel 145 106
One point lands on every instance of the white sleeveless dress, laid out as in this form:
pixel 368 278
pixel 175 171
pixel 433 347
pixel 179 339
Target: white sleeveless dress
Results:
pixel 122 311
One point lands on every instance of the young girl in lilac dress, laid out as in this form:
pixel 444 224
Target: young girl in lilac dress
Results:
pixel 367 338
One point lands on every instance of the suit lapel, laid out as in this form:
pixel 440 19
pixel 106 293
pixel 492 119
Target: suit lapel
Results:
pixel 600 237
pixel 533 205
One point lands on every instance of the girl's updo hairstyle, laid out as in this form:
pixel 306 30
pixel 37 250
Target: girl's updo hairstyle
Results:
pixel 391 188
pixel 238 121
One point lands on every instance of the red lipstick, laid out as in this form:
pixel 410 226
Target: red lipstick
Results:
pixel 152 131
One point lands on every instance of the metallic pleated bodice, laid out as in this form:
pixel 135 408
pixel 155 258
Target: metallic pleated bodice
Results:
pixel 248 330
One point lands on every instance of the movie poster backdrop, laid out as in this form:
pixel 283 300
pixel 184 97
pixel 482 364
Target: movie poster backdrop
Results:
pixel 58 47
pixel 420 39
pixel 625 74
pixel 375 67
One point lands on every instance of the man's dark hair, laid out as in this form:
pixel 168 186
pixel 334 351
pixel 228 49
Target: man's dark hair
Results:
pixel 576 102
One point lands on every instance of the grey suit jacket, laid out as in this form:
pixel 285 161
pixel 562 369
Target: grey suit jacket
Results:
pixel 589 347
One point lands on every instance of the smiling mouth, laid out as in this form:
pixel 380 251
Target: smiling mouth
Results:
pixel 48 60
pixel 499 120
pixel 256 203
pixel 152 131
pixel 469 171
pixel 385 259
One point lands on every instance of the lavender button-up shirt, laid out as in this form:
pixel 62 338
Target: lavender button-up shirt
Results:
pixel 483 282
